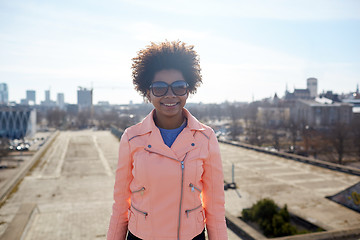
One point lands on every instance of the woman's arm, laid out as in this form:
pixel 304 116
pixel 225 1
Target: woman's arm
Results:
pixel 213 195
pixel 119 218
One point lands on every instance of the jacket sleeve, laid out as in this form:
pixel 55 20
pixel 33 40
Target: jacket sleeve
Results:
pixel 213 195
pixel 119 218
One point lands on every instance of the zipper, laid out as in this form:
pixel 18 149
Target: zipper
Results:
pixel 182 183
pixel 181 195
pixel 140 190
pixel 144 213
pixel 163 155
pixel 190 210
pixel 193 187
pixel 182 186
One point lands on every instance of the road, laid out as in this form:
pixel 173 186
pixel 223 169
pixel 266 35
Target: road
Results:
pixel 72 187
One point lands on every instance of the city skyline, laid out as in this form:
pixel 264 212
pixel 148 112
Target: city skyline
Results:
pixel 248 49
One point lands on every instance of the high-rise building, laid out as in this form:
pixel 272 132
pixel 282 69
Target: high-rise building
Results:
pixel 31 96
pixel 60 101
pixel 4 93
pixel 47 102
pixel 47 96
pixel 312 86
pixel 84 97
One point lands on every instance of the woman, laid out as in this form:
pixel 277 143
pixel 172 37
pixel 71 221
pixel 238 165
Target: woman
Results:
pixel 169 179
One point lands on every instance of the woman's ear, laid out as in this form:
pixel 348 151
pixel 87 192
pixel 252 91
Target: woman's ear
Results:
pixel 148 96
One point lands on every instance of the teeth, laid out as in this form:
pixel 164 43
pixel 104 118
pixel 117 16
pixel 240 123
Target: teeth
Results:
pixel 169 104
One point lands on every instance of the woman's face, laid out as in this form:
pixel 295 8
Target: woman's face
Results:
pixel 170 105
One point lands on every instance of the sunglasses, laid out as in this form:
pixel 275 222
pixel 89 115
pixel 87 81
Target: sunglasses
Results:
pixel 179 88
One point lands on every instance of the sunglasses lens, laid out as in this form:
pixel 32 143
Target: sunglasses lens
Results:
pixel 159 88
pixel 179 87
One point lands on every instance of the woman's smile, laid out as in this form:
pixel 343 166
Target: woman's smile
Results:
pixel 168 107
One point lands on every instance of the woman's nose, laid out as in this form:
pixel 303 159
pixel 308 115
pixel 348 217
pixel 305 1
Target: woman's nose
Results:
pixel 170 93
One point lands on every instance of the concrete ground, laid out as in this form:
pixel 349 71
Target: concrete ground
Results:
pixel 14 162
pixel 72 188
pixel 302 187
pixel 73 183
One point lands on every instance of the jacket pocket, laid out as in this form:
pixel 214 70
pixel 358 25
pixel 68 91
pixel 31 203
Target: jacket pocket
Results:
pixel 141 191
pixel 145 214
pixel 191 210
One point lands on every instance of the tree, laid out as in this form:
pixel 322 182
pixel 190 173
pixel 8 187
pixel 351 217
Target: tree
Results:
pixel 292 127
pixel 83 119
pixel 355 136
pixel 4 147
pixel 338 136
pixel 56 117
pixel 235 115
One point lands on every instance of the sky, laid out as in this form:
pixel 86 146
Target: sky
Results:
pixel 249 50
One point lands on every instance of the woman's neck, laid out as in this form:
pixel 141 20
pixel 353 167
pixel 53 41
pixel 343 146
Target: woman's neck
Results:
pixel 169 122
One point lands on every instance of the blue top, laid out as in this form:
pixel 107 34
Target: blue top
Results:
pixel 169 135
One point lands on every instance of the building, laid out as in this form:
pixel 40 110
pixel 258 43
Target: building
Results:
pixel 354 99
pixel 298 94
pixel 47 96
pixel 31 97
pixel 321 113
pixel 17 122
pixel 60 101
pixel 84 97
pixel 311 84
pixel 309 93
pixel 4 94
pixel 47 102
pixel 330 95
pixel 273 116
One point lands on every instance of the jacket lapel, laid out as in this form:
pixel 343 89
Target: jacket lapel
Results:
pixel 184 143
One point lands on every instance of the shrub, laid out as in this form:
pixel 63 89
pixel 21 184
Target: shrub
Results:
pixel 272 221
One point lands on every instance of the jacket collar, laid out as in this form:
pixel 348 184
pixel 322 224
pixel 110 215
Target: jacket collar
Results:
pixel 148 124
pixel 183 144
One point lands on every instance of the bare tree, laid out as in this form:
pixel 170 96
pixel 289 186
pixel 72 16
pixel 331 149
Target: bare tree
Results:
pixel 83 119
pixel 4 148
pixel 338 136
pixel 56 117
pixel 355 136
pixel 235 115
pixel 292 127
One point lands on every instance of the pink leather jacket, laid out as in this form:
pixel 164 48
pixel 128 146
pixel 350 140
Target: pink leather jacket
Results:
pixel 166 193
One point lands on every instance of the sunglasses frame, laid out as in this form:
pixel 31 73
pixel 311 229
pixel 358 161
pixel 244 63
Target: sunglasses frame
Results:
pixel 171 86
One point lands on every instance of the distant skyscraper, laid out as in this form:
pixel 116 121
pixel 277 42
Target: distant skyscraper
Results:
pixel 47 96
pixel 312 86
pixel 47 102
pixel 31 96
pixel 4 93
pixel 60 102
pixel 84 97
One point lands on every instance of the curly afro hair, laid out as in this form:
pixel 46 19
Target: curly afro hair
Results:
pixel 164 56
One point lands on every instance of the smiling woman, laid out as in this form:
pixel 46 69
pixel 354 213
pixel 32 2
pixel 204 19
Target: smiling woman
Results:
pixel 168 155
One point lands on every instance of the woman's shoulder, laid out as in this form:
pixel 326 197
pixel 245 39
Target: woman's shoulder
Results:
pixel 139 129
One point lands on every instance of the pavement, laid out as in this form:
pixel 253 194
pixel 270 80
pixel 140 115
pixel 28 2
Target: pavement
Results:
pixel 72 189
pixel 69 193
pixel 303 187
